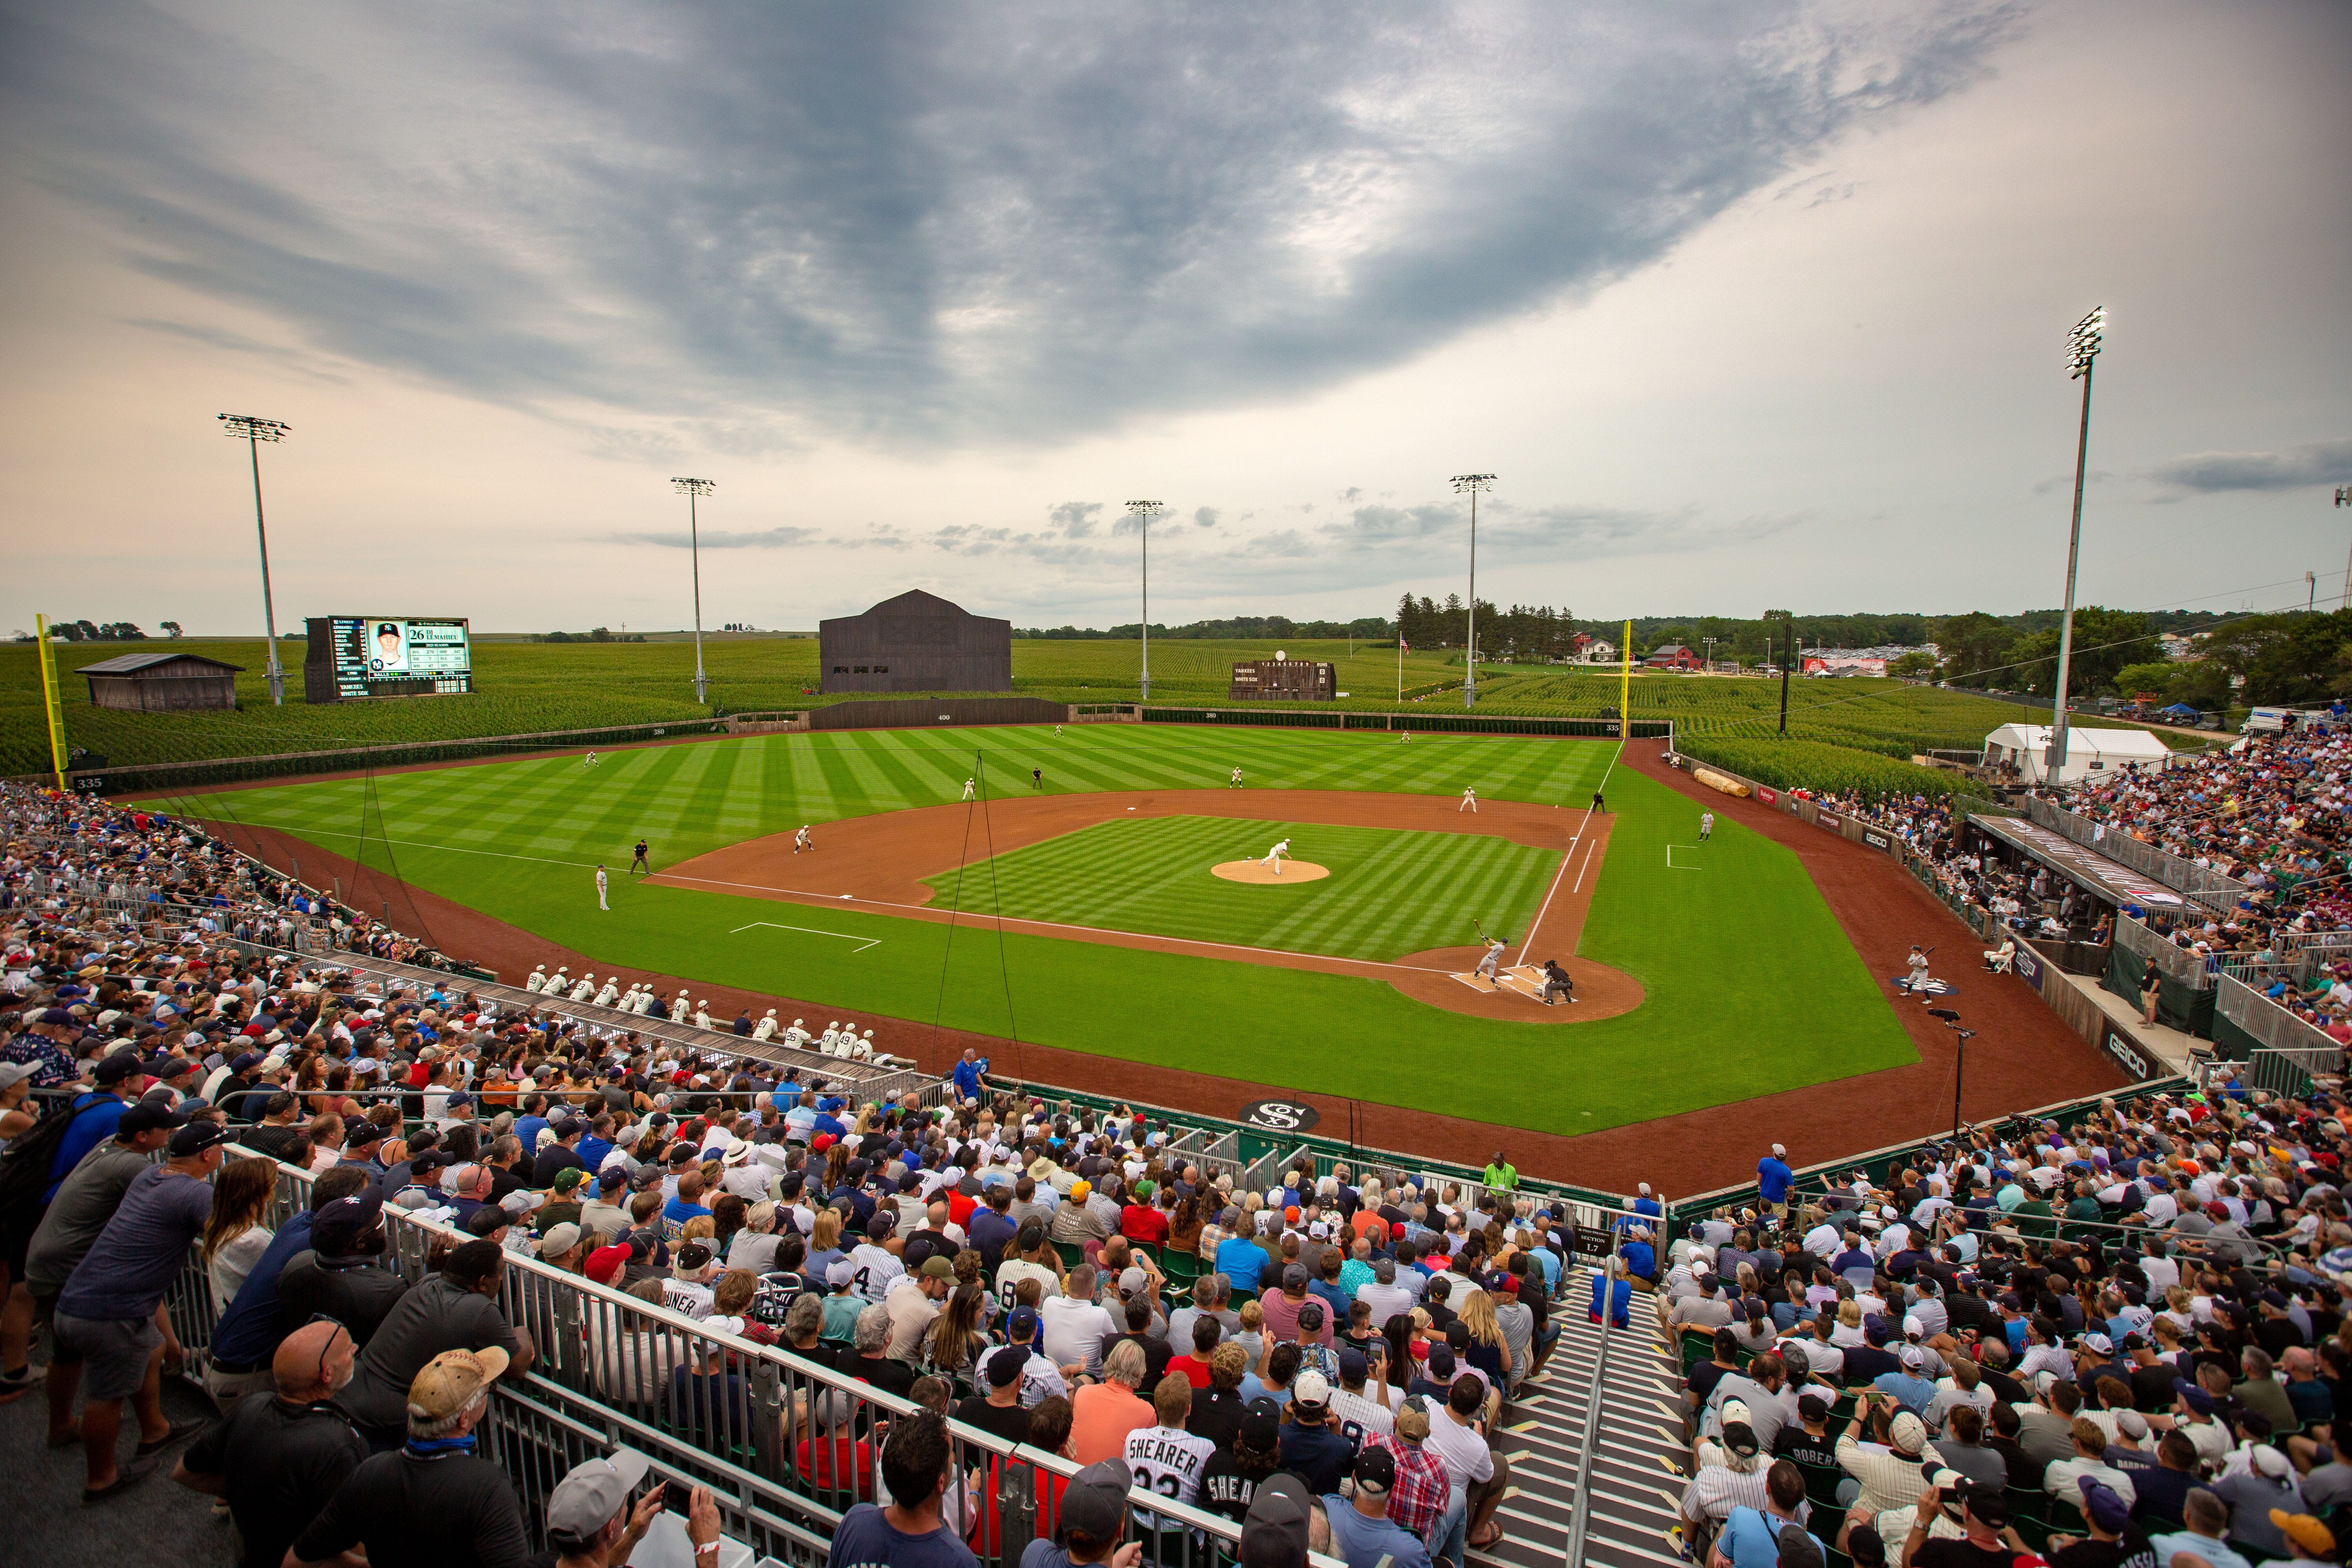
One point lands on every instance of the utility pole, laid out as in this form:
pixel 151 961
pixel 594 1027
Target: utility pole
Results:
pixel 253 432
pixel 1471 484
pixel 2082 351
pixel 2344 498
pixel 692 489
pixel 1143 512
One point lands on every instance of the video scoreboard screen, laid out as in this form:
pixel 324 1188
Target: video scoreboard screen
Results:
pixel 355 656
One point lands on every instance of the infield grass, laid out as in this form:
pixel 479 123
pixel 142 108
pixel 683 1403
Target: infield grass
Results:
pixel 1392 892
pixel 1751 988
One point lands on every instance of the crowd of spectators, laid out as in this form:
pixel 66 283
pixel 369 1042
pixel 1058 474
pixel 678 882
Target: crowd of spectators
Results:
pixel 2123 1342
pixel 1332 1350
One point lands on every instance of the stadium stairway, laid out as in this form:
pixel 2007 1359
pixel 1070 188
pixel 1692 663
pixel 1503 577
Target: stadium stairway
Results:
pixel 1639 1463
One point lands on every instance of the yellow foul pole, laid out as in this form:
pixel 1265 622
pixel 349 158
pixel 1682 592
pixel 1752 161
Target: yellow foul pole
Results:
pixel 1625 685
pixel 49 700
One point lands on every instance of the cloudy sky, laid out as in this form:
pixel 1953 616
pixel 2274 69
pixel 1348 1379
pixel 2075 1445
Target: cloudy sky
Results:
pixel 1747 303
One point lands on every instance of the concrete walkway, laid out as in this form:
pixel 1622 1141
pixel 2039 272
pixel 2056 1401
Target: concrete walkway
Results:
pixel 155 1524
pixel 2168 1043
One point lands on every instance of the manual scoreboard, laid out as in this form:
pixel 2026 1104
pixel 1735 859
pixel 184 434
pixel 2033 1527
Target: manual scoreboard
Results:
pixel 1294 680
pixel 353 657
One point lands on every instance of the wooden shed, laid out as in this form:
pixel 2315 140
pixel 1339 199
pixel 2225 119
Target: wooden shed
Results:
pixel 161 682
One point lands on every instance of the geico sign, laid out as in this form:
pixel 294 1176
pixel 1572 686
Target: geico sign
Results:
pixel 2127 1056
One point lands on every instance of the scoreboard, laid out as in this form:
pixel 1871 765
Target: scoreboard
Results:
pixel 1294 680
pixel 355 656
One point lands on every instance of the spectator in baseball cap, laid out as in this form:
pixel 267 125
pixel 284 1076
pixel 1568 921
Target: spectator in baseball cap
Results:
pixel 1093 1519
pixel 1358 1515
pixel 432 1498
pixel 1277 1530
pixel 591 1521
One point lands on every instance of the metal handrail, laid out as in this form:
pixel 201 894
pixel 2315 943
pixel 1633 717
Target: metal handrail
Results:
pixel 596 1346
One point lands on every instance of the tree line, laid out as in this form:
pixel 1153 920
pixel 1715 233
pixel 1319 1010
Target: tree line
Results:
pixel 1365 628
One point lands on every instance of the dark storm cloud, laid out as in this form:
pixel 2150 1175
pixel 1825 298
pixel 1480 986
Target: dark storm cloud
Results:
pixel 931 225
pixel 2317 463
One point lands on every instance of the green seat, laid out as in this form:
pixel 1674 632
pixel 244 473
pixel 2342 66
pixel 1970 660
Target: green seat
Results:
pixel 1181 1269
pixel 1072 1254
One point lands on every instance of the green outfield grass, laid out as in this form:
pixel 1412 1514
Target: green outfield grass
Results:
pixel 521 688
pixel 1391 891
pixel 1750 985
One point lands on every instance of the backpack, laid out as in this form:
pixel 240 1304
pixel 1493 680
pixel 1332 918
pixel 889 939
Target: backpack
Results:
pixel 25 1163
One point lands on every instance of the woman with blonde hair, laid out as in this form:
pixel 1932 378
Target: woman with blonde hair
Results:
pixel 824 1238
pixel 235 1237
pixel 1848 1331
pixel 1488 1351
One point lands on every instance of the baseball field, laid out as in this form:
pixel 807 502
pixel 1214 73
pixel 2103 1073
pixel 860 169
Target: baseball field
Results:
pixel 1071 903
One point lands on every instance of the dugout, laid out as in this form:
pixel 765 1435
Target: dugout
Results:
pixel 915 642
pixel 161 682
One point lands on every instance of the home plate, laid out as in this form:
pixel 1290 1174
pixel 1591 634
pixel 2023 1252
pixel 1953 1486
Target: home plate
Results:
pixel 1527 979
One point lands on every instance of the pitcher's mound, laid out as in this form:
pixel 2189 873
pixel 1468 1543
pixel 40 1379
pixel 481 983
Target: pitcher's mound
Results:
pixel 1257 871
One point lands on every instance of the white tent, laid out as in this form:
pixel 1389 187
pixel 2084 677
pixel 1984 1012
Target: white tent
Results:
pixel 2090 753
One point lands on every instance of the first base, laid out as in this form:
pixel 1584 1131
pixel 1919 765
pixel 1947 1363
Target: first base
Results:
pixel 1259 871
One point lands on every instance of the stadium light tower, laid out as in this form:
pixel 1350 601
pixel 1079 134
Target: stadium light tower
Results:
pixel 253 432
pixel 693 490
pixel 2081 350
pixel 2344 498
pixel 1470 485
pixel 1144 512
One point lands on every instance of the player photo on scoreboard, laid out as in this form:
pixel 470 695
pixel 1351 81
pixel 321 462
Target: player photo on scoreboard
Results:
pixel 387 648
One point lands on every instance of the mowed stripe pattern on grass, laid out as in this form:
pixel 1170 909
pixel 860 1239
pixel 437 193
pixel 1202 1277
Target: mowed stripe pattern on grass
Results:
pixel 1752 987
pixel 691 798
pixel 1391 892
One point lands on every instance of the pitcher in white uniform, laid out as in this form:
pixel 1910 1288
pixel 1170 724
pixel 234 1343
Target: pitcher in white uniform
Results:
pixel 1274 856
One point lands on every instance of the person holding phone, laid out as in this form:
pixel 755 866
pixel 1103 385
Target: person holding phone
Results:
pixel 591 1523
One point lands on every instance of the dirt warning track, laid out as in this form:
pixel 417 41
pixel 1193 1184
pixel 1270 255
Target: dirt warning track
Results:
pixel 882 863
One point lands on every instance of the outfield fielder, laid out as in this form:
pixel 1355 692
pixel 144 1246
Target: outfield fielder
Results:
pixel 968 785
pixel 590 761
pixel 1236 781
pixel 1469 801
pixel 601 890
pixel 1705 825
pixel 1274 856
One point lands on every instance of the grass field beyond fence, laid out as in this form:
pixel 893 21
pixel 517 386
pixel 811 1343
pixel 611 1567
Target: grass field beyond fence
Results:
pixel 522 688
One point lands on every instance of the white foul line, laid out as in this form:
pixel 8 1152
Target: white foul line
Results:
pixel 863 941
pixel 1581 869
pixel 1530 940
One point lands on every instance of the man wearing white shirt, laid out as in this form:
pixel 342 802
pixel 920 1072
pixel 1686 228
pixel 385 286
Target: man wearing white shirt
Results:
pixel 1822 1241
pixel 1073 1328
pixel 1384 1296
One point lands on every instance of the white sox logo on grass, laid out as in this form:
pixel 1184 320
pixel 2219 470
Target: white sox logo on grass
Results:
pixel 1280 1116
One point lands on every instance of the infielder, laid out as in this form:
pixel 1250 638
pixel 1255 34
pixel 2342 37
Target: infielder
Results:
pixel 1705 825
pixel 1469 801
pixel 802 840
pixel 969 785
pixel 1236 782
pixel 1490 964
pixel 1274 856
pixel 600 888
